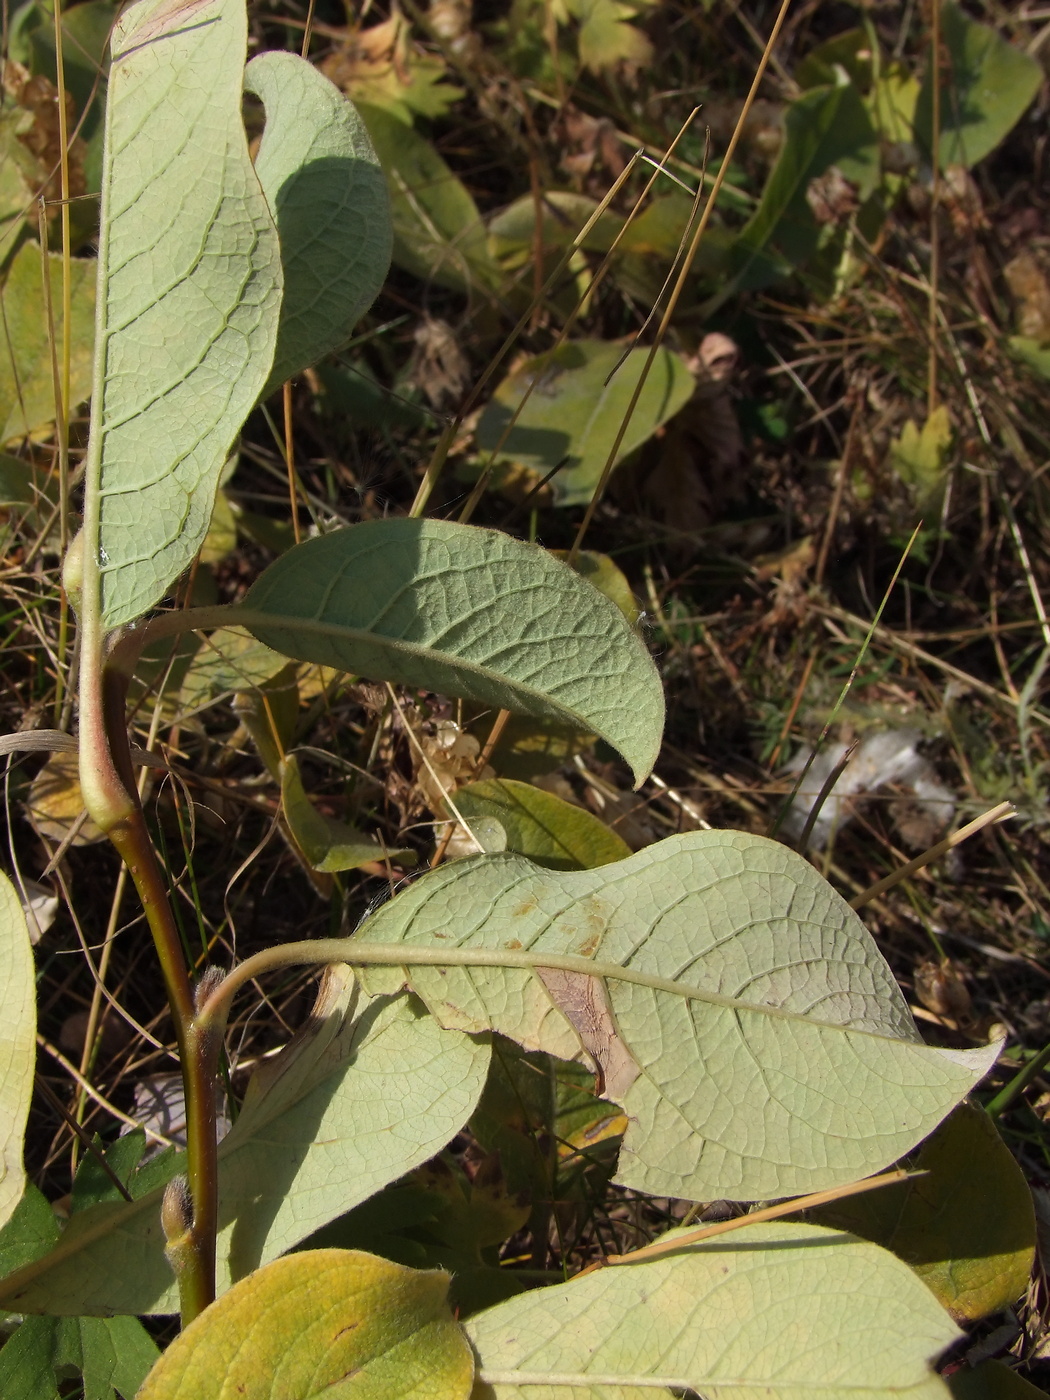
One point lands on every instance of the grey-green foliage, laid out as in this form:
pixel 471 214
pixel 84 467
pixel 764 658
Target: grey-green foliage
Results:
pixel 467 612
pixel 373 1090
pixel 328 196
pixel 763 1048
pixel 773 1312
pixel 191 285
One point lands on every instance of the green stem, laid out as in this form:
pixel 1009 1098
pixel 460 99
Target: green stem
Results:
pixel 1005 1097
pixel 214 1006
pixel 112 799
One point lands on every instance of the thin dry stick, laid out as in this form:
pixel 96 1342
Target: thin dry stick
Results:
pixel 840 486
pixel 796 702
pixel 437 460
pixel 60 387
pixel 498 726
pixel 935 197
pixel 289 456
pixel 563 334
pixel 430 769
pixel 93 1093
pixel 679 286
pixel 756 1217
pixel 1002 812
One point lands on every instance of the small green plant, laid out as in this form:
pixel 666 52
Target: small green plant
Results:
pixel 721 992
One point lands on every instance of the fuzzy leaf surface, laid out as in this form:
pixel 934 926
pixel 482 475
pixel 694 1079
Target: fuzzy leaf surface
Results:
pixel 332 1323
pixel 328 197
pixel 17 1043
pixel 773 1312
pixel 373 1089
pixel 189 292
pixel 777 1057
pixel 468 612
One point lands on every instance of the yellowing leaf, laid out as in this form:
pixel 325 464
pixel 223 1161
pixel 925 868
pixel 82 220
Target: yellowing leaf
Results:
pixel 543 827
pixel 775 1311
pixel 606 39
pixel 56 804
pixel 17 1043
pixel 920 458
pixel 331 1322
pixel 27 386
pixel 974 1257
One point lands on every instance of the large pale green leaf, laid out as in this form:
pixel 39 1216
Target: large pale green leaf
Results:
pixel 189 291
pixel 825 126
pixel 572 413
pixel 761 1047
pixel 372 1091
pixel 27 383
pixel 545 828
pixel 438 232
pixel 467 612
pixel 329 202
pixel 986 85
pixel 334 1323
pixel 975 1257
pixel 112 1355
pixel 775 1312
pixel 17 1043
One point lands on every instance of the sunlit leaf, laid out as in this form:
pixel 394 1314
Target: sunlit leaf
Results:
pixel 976 1260
pixel 547 829
pixel 920 458
pixel 17 1043
pixel 573 414
pixel 190 288
pixel 229 660
pixel 986 87
pixel 605 38
pixel 329 202
pixel 779 1311
pixel 824 127
pixel 468 612
pixel 27 383
pixel 328 845
pixel 334 1323
pixel 438 232
pixel 762 1047
pixel 372 1090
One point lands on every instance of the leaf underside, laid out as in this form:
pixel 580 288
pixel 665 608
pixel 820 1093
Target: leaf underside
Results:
pixel 374 1089
pixel 792 1064
pixel 189 294
pixel 776 1311
pixel 467 612
pixel 17 1043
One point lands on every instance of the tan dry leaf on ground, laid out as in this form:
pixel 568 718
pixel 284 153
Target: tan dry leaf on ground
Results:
pixel 1028 278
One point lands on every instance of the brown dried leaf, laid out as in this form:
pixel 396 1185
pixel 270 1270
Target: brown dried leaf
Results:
pixel 1029 283
pixel 583 1003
